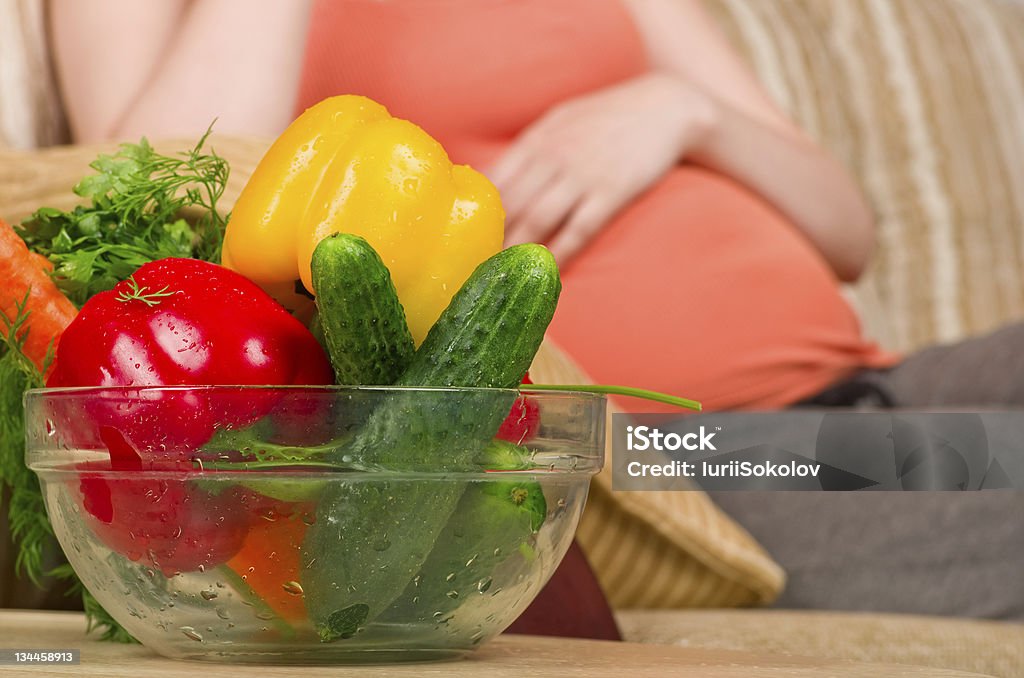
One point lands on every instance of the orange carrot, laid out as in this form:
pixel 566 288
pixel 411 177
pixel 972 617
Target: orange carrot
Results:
pixel 24 273
pixel 269 561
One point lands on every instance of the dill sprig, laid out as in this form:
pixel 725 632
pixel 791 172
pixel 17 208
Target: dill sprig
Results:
pixel 138 203
pixel 30 527
pixel 97 618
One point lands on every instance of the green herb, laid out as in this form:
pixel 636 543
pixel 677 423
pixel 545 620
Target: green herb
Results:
pixel 343 623
pixel 628 391
pixel 97 618
pixel 29 526
pixel 138 200
pixel 136 293
pixel 254 441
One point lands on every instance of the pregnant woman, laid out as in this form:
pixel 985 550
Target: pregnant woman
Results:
pixel 702 235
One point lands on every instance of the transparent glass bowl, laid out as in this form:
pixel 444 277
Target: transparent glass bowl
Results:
pixel 314 524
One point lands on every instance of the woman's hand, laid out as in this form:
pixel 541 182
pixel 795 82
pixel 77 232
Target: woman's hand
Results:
pixel 584 160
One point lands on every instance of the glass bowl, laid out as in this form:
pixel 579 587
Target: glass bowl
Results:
pixel 314 524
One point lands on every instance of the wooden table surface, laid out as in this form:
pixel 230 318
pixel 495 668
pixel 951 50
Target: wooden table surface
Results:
pixel 508 655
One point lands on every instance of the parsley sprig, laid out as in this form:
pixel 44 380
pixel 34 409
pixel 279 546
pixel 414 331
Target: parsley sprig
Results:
pixel 138 201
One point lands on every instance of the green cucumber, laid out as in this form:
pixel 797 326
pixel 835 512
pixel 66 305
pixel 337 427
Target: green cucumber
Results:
pixel 486 338
pixel 491 330
pixel 493 520
pixel 317 330
pixel 372 536
pixel 362 321
pixel 369 540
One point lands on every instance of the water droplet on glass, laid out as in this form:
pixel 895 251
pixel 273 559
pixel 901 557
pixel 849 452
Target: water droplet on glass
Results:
pixel 497 551
pixel 191 633
pixel 265 615
pixel 469 563
pixel 561 503
pixel 292 587
pixel 451 576
pixel 484 584
pixel 223 613
pixel 208 594
pixel 51 428
pixel 452 594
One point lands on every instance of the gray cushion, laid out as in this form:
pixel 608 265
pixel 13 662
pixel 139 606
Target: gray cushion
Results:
pixel 942 553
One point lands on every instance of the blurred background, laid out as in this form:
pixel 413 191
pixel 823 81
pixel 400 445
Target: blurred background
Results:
pixel 923 102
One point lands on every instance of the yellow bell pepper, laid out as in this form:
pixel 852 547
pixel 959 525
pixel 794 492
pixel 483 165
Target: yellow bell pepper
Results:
pixel 346 165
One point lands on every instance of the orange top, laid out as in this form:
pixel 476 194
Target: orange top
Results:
pixel 699 288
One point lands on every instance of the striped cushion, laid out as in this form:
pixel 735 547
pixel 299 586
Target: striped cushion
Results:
pixel 924 100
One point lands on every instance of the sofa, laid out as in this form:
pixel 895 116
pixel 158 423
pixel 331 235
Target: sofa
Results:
pixel 924 100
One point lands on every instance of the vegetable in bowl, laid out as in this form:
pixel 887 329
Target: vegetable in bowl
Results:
pixel 149 327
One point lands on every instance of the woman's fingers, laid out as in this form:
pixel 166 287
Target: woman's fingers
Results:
pixel 549 210
pixel 589 217
pixel 508 165
pixel 522 189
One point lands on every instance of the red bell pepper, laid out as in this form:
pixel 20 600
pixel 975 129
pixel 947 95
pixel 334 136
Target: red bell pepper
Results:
pixel 183 322
pixel 175 322
pixel 523 421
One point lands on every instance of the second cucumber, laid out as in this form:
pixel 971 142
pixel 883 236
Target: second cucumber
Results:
pixel 361 319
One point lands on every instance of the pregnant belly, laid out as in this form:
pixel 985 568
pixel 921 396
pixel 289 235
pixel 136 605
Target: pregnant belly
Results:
pixel 701 289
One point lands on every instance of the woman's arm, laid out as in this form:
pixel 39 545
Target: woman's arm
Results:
pixel 168 68
pixel 587 158
pixel 750 139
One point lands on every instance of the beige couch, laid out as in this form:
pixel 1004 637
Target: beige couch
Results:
pixel 922 98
